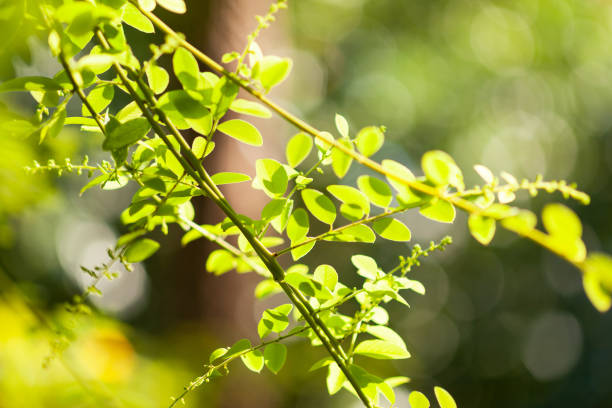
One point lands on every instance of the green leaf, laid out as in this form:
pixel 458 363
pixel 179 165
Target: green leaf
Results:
pixel 241 131
pixel 220 261
pixel 157 77
pixel 229 178
pixel 376 190
pixel 354 233
pixel 30 83
pixel 298 225
pixel 341 162
pixel 355 203
pixel 302 250
pixel 252 108
pixel 335 379
pixel 366 266
pixel 439 210
pixel 324 362
pixel 133 17
pixel 522 222
pixel 319 205
pixel 392 229
pixel 127 134
pixel 418 400
pixel 274 320
pixel 186 69
pixel 369 140
pixel 560 220
pixel 140 250
pixel 327 276
pixel 237 348
pixel 275 355
pixel 387 334
pixel 444 398
pixel 565 231
pixel 186 110
pixel 597 280
pixel 298 149
pixel 481 228
pixel 381 349
pixel 308 286
pixel 198 146
pixel 271 71
pixel 441 169
pixel 223 95
pixel 99 98
pixel 266 288
pixel 405 196
pixel 218 353
pixel 271 177
pixel 342 126
pixel 175 6
pixel 253 360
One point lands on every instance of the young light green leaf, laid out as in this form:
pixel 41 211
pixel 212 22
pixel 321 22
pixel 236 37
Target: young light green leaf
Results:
pixel 341 162
pixel 216 354
pixel 481 228
pixel 324 362
pixel 99 98
pixel 369 140
pixel 302 250
pixel 405 196
pixel 439 210
pixel 253 360
pixel 186 109
pixel 381 349
pixel 386 333
pixel 175 6
pixel 354 233
pixel 298 225
pixel 319 205
pixel 392 229
pixel 140 250
pixel 376 190
pixel 133 17
pixel 157 77
pixel 327 276
pixel 418 400
pixel 275 356
pixel 30 83
pixel 271 71
pixel 366 266
pixel 271 177
pixel 126 134
pixel 335 379
pixel 560 220
pixel 522 222
pixel 355 203
pixel 241 131
pixel 237 348
pixel 441 169
pixel 220 261
pixel 565 231
pixel 252 108
pixel 298 149
pixel 227 177
pixel 186 69
pixel 597 280
pixel 342 126
pixel 199 144
pixel 444 398
pixel 274 320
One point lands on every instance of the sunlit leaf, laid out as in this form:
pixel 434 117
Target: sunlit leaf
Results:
pixel 369 140
pixel 140 250
pixel 271 177
pixel 481 228
pixel 175 6
pixel 327 276
pixel 126 134
pixel 298 149
pixel 439 210
pixel 242 131
pixel 298 225
pixel 227 177
pixel 392 229
pixel 376 190
pixel 252 108
pixel 381 349
pixel 441 169
pixel 275 356
pixel 272 70
pixel 444 398
pixel 418 400
pixel 253 360
pixel 319 205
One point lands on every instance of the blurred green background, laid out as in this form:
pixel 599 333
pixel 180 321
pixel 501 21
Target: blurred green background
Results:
pixel 522 86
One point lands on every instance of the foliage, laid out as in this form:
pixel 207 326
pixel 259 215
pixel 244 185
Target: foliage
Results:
pixel 148 149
